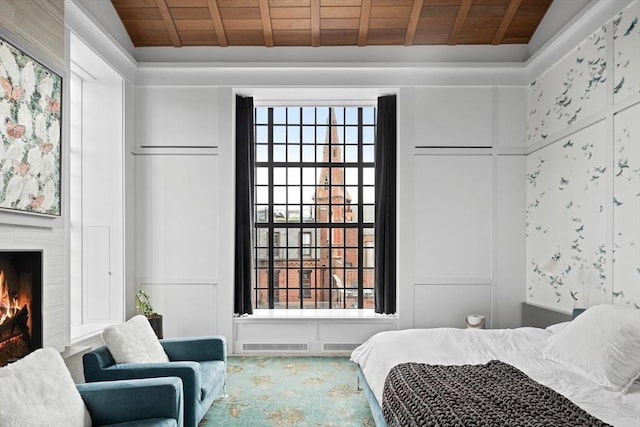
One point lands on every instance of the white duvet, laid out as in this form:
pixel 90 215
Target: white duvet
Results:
pixel 520 347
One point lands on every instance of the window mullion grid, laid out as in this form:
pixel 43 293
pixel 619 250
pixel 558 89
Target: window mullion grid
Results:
pixel 270 213
pixel 360 213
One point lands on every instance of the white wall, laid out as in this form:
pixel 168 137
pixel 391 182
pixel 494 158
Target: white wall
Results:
pixel 584 170
pixel 461 157
pixel 37 28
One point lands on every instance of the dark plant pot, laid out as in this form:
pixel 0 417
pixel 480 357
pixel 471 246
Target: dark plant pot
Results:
pixel 155 320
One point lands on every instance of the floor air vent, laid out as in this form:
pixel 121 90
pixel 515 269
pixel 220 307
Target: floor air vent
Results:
pixel 254 346
pixel 339 346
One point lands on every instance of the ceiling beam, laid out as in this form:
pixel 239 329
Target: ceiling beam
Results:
pixel 459 22
pixel 506 21
pixel 315 23
pixel 413 22
pixel 266 23
pixel 214 11
pixel 168 22
pixel 365 14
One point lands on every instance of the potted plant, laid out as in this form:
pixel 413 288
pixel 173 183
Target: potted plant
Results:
pixel 143 305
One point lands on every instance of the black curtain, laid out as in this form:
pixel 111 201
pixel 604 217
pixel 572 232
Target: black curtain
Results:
pixel 243 278
pixel 385 219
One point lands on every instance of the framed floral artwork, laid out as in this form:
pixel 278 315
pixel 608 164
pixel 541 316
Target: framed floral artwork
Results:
pixel 30 133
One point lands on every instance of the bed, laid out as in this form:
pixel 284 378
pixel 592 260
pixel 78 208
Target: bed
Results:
pixel 592 362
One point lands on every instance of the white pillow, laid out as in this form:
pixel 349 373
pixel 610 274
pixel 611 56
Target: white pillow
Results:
pixel 38 390
pixel 134 342
pixel 602 344
pixel 557 327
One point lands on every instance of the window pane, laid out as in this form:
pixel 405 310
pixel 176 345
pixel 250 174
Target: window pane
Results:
pixel 368 176
pixel 261 115
pixel 368 213
pixel 308 115
pixel 308 135
pixel 279 153
pixel 262 134
pixel 368 115
pixel 279 115
pixel 303 180
pixel 279 134
pixel 293 195
pixel 368 135
pixel 293 116
pixel 308 153
pixel 293 135
pixel 351 154
pixel 351 115
pixel 351 136
pixel 262 176
pixel 368 195
pixel 262 194
pixel 280 194
pixel 367 153
pixel 279 176
pixel 262 153
pixel 293 176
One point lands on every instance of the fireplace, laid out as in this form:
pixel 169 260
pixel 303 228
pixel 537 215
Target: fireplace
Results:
pixel 20 304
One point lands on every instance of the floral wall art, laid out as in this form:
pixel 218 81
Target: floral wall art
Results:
pixel 583 170
pixel 30 133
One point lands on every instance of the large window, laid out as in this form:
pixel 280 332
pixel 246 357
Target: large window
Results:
pixel 314 207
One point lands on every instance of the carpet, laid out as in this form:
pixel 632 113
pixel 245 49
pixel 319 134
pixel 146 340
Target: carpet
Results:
pixel 290 391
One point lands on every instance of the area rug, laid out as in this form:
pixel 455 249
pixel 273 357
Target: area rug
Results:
pixel 290 391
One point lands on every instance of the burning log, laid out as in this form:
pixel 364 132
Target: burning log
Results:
pixel 16 325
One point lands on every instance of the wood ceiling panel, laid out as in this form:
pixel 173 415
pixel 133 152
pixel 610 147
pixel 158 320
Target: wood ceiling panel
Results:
pixel 290 13
pixel 291 38
pixel 242 25
pixel 339 12
pixel 245 38
pixel 194 25
pixel 381 37
pixel 339 38
pixel 291 24
pixel 337 24
pixel 290 3
pixel 324 22
pixel 198 38
pixel 327 3
pixel 186 13
pixel 388 23
pixel 240 13
pixel 391 11
pixel 186 3
pixel 238 3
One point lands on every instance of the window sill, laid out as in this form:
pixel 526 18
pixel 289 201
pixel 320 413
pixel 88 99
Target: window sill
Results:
pixel 316 314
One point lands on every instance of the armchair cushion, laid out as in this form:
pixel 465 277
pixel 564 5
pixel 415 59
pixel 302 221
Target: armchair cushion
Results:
pixel 38 390
pixel 152 402
pixel 134 342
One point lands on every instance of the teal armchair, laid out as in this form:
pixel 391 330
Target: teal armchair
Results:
pixel 152 402
pixel 201 364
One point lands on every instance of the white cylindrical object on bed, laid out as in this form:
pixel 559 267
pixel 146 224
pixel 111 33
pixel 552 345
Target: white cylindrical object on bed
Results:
pixel 475 321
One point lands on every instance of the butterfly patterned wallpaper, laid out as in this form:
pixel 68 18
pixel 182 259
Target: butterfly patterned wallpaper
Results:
pixel 30 131
pixel 583 188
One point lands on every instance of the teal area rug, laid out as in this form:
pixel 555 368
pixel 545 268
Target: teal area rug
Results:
pixel 290 391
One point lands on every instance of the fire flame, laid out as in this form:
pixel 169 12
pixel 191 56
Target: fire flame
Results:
pixel 9 304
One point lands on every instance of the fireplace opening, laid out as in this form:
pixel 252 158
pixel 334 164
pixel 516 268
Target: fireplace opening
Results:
pixel 20 304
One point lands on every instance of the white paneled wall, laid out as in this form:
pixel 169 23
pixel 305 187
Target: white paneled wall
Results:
pixel 465 148
pixel 452 215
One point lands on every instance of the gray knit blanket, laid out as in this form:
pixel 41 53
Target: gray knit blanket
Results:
pixel 494 394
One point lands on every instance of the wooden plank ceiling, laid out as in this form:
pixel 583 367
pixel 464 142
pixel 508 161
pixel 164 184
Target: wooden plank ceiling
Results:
pixel 329 22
